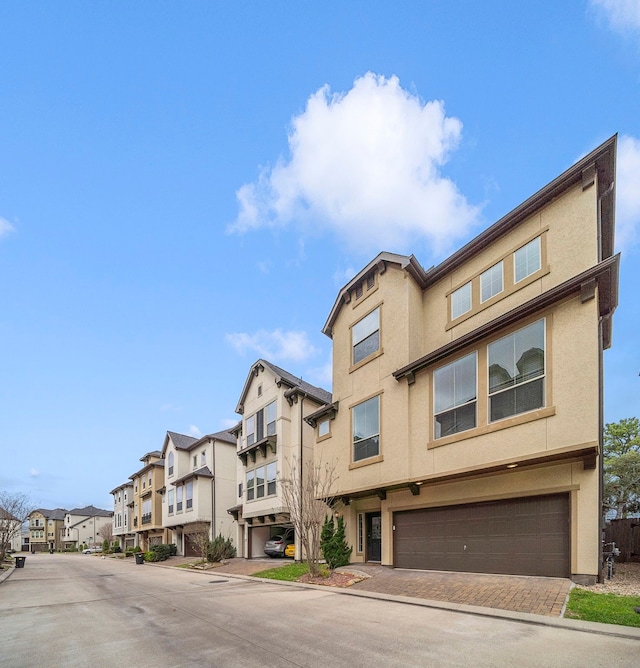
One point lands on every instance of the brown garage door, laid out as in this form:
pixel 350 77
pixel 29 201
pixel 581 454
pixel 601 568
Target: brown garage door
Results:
pixel 528 536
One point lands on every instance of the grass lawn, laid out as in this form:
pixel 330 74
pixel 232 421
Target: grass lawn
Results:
pixel 604 608
pixel 290 572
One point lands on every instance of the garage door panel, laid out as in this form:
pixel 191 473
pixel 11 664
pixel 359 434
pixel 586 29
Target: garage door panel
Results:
pixel 528 536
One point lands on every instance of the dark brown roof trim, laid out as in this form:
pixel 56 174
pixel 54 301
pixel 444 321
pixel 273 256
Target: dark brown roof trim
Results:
pixel 600 161
pixel 605 275
pixel 329 410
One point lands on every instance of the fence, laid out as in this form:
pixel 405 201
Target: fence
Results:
pixel 626 535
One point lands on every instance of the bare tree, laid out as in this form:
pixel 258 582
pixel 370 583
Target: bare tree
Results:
pixel 309 497
pixel 106 532
pixel 14 511
pixel 198 533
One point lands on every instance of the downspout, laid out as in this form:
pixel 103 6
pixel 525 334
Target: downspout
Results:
pixel 601 450
pixel 301 468
pixel 214 533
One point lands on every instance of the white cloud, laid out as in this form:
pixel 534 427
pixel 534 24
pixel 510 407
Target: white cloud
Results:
pixel 622 15
pixel 323 376
pixel 194 431
pixel 228 423
pixel 627 190
pixel 342 276
pixel 367 165
pixel 274 346
pixel 5 227
pixel 34 473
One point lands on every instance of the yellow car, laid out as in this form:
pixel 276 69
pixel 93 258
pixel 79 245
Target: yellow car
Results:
pixel 290 550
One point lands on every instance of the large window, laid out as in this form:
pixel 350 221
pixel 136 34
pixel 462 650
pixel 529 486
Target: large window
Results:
pixel 255 424
pixel 261 482
pixel 455 394
pixel 461 301
pixel 516 372
pixel 366 429
pixel 527 260
pixel 179 499
pixel 491 282
pixel 365 336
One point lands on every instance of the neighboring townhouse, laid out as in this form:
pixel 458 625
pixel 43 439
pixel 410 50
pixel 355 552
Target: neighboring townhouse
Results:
pixel 82 526
pixel 272 437
pixel 123 515
pixel 148 483
pixel 199 487
pixel 10 532
pixel 46 529
pixel 468 398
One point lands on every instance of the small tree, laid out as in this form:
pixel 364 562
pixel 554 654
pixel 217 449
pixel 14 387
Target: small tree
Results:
pixel 622 467
pixel 14 512
pixel 336 550
pixel 198 534
pixel 106 533
pixel 308 496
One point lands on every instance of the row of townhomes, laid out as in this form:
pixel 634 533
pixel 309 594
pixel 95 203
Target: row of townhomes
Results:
pixel 466 417
pixel 61 529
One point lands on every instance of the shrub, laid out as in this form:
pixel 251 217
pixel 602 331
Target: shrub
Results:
pixel 137 548
pixel 333 543
pixel 105 545
pixel 219 549
pixel 150 556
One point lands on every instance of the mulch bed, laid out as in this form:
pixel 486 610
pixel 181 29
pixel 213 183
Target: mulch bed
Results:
pixel 333 579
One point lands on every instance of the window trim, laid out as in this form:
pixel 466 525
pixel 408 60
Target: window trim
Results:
pixel 484 273
pixel 517 280
pixel 251 481
pixel 454 407
pixel 469 285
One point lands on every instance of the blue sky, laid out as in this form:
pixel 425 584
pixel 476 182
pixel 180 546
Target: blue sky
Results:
pixel 184 187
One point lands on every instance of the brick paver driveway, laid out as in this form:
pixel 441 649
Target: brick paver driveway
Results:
pixel 537 595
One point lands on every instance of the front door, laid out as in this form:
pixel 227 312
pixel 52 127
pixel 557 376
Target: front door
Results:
pixel 374 536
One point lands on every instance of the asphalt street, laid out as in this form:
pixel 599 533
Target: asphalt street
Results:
pixel 81 610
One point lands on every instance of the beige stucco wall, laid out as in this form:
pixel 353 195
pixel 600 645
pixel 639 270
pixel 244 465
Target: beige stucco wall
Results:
pixel 415 323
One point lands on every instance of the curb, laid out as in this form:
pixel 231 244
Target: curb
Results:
pixel 5 574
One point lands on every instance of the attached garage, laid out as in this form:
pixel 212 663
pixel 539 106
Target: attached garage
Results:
pixel 526 536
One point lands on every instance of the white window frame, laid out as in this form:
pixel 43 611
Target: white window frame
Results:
pixel 461 301
pixel 493 280
pixel 356 420
pixel 527 259
pixel 188 495
pixel 364 330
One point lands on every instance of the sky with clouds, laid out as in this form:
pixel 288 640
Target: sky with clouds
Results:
pixel 184 188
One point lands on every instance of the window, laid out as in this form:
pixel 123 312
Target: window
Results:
pixel 171 495
pixel 171 463
pixel 250 485
pixel 454 391
pixel 240 490
pixel 195 461
pixel 203 459
pixel 271 479
pixel 365 336
pixel 461 301
pixel 527 260
pixel 250 427
pixel 323 427
pixel 270 411
pixel 179 499
pixel 516 372
pixel 366 429
pixel 260 482
pixel 491 282
pixel 189 494
pixel 360 547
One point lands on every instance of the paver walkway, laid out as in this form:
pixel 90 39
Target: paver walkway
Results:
pixel 537 595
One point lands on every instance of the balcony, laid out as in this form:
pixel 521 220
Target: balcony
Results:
pixel 146 518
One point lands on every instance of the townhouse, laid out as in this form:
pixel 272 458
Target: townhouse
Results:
pixel 199 486
pixel 148 482
pixel 83 526
pixel 272 437
pixel 46 529
pixel 466 417
pixel 123 515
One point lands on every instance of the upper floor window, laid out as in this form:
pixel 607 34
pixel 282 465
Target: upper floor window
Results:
pixel 179 499
pixel 365 336
pixel 261 482
pixel 170 495
pixel 203 458
pixel 455 394
pixel 189 494
pixel 491 282
pixel 323 427
pixel 516 372
pixel 271 479
pixel 461 301
pixel 366 429
pixel 195 461
pixel 255 424
pixel 527 260
pixel 250 485
pixel 171 463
